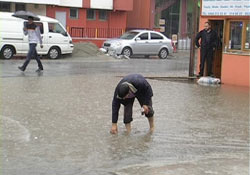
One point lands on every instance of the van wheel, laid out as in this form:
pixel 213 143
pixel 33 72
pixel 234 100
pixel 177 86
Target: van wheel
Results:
pixel 127 52
pixel 163 54
pixel 54 53
pixel 7 52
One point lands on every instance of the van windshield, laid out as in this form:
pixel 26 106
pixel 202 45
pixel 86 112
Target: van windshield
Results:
pixel 129 35
pixel 56 28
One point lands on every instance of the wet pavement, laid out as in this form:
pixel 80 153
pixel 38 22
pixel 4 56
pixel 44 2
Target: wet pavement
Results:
pixel 58 122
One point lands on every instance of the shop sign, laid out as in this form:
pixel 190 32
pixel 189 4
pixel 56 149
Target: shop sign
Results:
pixel 226 8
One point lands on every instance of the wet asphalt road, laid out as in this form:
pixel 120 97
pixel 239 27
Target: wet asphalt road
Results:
pixel 58 122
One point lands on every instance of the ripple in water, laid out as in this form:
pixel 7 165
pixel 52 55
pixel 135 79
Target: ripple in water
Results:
pixel 13 130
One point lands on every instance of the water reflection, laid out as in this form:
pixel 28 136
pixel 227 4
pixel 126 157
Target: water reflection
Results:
pixel 199 129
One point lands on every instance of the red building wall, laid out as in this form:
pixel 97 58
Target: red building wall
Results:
pixel 142 15
pixel 123 5
pixel 86 3
pixel 95 30
pixel 80 22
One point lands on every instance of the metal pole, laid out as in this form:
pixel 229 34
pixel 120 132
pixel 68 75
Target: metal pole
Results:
pixel 192 48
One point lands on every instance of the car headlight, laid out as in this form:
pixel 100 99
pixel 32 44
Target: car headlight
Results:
pixel 117 44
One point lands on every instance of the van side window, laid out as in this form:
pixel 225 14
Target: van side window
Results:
pixel 56 28
pixel 38 24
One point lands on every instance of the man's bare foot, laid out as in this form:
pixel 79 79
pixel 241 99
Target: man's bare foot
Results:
pixel 151 124
pixel 128 127
pixel 151 130
pixel 114 129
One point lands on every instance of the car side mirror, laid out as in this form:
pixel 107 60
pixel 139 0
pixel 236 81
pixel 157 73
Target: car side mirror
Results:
pixel 137 39
pixel 65 34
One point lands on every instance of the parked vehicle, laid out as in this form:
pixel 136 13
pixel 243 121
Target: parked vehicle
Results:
pixel 140 42
pixel 56 40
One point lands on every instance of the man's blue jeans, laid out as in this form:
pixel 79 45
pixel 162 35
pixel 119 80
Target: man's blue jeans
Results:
pixel 32 54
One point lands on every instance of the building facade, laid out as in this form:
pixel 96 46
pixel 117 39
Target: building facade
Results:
pixel 171 17
pixel 95 21
pixel 230 19
pixel 85 20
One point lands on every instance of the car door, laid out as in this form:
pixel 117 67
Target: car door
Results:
pixel 141 44
pixel 156 41
pixel 57 36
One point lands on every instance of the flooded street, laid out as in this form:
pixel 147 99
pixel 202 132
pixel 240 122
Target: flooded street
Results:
pixel 58 122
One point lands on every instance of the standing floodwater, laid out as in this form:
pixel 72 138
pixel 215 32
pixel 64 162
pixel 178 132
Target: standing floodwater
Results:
pixel 59 124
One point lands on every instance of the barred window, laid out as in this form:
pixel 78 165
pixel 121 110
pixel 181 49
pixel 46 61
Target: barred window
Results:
pixel 103 15
pixel 91 14
pixel 5 6
pixel 74 13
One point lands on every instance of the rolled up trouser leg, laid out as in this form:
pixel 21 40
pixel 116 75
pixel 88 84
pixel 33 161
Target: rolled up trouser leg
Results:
pixel 150 113
pixel 128 112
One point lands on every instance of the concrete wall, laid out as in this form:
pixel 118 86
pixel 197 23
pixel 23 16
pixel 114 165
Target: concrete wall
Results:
pixel 71 3
pixel 235 69
pixel 37 9
pixel 101 4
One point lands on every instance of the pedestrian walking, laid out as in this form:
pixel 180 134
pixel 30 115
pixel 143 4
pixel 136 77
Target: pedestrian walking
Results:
pixel 207 45
pixel 34 37
pixel 130 87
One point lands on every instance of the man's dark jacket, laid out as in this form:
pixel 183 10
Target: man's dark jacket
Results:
pixel 143 94
pixel 204 43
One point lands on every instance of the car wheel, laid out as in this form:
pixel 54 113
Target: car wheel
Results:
pixel 54 53
pixel 163 54
pixel 127 52
pixel 7 52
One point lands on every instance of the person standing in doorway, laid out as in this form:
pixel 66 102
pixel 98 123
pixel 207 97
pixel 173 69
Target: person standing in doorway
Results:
pixel 34 37
pixel 207 45
pixel 130 87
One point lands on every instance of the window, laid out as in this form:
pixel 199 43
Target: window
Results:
pixel 155 36
pixel 144 36
pixel 91 14
pixel 129 35
pixel 56 28
pixel 247 43
pixel 235 35
pixel 20 6
pixel 5 6
pixel 74 13
pixel 238 37
pixel 38 24
pixel 103 15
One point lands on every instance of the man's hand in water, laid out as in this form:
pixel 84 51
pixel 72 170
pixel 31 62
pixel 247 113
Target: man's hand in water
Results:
pixel 114 129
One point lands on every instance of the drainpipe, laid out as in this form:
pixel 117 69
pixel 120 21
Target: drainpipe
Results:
pixel 192 48
pixel 152 15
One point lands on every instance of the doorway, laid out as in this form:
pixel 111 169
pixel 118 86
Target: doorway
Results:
pixel 61 17
pixel 218 26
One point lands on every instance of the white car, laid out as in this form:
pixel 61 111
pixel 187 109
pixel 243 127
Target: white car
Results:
pixel 140 42
pixel 56 40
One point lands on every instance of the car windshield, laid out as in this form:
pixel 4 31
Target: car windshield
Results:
pixel 129 35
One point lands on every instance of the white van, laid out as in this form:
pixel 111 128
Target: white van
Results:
pixel 56 40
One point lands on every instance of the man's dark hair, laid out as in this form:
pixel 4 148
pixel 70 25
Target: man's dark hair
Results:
pixel 123 90
pixel 208 22
pixel 30 17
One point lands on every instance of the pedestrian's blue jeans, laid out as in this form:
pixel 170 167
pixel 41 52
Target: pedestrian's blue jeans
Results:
pixel 32 54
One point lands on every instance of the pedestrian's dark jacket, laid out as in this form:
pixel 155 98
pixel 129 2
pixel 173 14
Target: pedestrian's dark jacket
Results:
pixel 143 94
pixel 204 36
